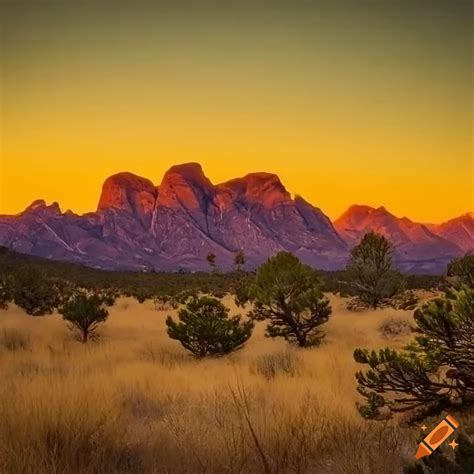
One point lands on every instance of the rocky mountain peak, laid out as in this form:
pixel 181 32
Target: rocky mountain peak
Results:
pixel 40 206
pixel 174 226
pixel 262 188
pixel 128 192
pixel 186 186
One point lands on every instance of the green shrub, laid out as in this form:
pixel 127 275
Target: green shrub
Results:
pixel 205 328
pixel 369 271
pixel 287 294
pixel 85 313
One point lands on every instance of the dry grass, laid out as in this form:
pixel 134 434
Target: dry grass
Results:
pixel 135 402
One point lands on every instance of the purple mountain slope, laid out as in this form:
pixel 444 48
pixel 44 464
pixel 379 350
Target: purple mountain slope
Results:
pixel 139 226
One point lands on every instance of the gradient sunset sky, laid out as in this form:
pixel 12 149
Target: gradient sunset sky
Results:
pixel 348 102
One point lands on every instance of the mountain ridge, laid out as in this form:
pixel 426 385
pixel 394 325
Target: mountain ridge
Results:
pixel 173 226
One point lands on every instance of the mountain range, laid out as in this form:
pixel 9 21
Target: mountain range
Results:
pixel 172 227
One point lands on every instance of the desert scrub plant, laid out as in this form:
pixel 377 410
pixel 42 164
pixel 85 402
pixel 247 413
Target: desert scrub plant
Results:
pixel 369 271
pixel 206 329
pixel 14 340
pixel 85 312
pixel 406 301
pixel 433 373
pixel 33 291
pixel 394 327
pixel 164 303
pixel 280 363
pixel 460 271
pixel 287 294
pixel 5 291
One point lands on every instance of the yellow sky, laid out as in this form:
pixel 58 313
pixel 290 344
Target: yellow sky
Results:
pixel 370 105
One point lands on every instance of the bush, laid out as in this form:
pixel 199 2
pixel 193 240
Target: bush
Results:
pixel 284 363
pixel 164 303
pixel 85 313
pixel 461 271
pixel 394 327
pixel 287 294
pixel 369 271
pixel 205 328
pixel 432 374
pixel 405 301
pixel 34 292
pixel 5 291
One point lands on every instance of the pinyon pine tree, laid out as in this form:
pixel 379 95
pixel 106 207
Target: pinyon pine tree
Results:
pixel 369 271
pixel 434 373
pixel 86 312
pixel 460 271
pixel 34 292
pixel 206 329
pixel 288 295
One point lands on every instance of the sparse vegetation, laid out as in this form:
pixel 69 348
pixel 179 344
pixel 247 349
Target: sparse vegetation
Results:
pixel 461 271
pixel 206 329
pixel 287 363
pixel 434 372
pixel 139 404
pixel 14 340
pixel 394 327
pixel 211 260
pixel 33 291
pixel 239 260
pixel 287 294
pixel 369 271
pixel 5 292
pixel 144 286
pixel 86 312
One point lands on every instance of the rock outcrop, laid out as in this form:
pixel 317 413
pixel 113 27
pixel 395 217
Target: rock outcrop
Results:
pixel 172 227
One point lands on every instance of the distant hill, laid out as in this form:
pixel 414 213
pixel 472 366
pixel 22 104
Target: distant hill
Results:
pixel 418 248
pixel 172 227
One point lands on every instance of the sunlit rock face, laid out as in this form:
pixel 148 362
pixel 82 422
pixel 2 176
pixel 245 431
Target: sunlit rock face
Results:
pixel 139 226
pixel 417 247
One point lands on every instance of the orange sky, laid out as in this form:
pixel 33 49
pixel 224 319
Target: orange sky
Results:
pixel 370 105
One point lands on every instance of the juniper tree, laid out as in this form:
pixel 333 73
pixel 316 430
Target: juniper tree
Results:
pixel 86 312
pixel 287 294
pixel 33 291
pixel 369 271
pixel 211 260
pixel 239 260
pixel 433 373
pixel 206 329
pixel 460 271
pixel 5 291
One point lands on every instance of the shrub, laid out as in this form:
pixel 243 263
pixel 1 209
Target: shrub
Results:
pixel 34 292
pixel 5 292
pixel 394 327
pixel 432 374
pixel 205 328
pixel 369 271
pixel 85 313
pixel 211 260
pixel 239 260
pixel 460 271
pixel 164 303
pixel 405 301
pixel 287 294
pixel 271 365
